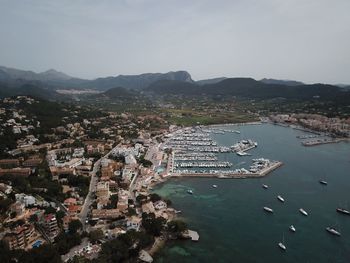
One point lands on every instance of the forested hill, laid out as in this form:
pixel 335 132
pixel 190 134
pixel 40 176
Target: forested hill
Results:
pixel 250 88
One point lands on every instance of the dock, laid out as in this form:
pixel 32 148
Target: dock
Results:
pixel 314 142
pixel 190 234
pixel 263 172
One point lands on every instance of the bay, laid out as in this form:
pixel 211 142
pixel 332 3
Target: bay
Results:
pixel 231 222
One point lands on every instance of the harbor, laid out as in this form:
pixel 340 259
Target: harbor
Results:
pixel 196 153
pixel 225 212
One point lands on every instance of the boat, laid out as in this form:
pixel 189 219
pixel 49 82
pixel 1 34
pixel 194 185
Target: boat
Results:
pixel 268 209
pixel 323 182
pixel 178 211
pixel 333 231
pixel 215 186
pixel 190 192
pixel 282 245
pixel 292 228
pixel 280 198
pixel 303 212
pixel 343 211
pixel 242 153
pixel 265 186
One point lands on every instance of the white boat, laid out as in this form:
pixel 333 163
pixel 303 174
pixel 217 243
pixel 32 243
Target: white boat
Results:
pixel 323 182
pixel 242 154
pixel 303 212
pixel 343 211
pixel 280 198
pixel 292 228
pixel 215 186
pixel 190 192
pixel 268 209
pixel 265 186
pixel 282 245
pixel 333 231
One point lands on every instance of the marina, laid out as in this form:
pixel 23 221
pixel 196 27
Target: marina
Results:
pixel 195 153
pixel 296 181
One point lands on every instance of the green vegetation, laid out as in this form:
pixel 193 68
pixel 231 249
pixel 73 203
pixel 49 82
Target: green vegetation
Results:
pixel 152 224
pixel 74 226
pixel 125 247
pixel 65 241
pixel 28 185
pixel 177 226
pixel 95 235
pixel 42 254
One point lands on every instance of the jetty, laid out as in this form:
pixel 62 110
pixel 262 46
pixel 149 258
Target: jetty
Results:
pixel 190 234
pixel 239 173
pixel 318 141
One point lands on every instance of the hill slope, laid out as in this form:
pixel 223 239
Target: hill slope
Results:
pixel 250 88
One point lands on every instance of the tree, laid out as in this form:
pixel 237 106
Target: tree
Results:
pixel 177 226
pixel 141 198
pixel 152 224
pixel 95 235
pixel 42 254
pixel 5 204
pixel 64 242
pixel 74 226
pixel 155 197
pixel 33 218
pixel 50 210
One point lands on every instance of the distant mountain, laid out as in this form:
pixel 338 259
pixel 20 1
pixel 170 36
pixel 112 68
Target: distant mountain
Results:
pixel 118 93
pixel 52 74
pixel 210 81
pixel 250 88
pixel 29 90
pixel 15 74
pixel 173 87
pixel 282 82
pixel 58 80
pixel 137 82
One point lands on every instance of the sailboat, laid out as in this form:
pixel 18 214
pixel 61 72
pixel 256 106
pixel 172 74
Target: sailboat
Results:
pixel 282 245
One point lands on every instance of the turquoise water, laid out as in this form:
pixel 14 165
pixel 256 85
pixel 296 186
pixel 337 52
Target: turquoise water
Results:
pixel 230 220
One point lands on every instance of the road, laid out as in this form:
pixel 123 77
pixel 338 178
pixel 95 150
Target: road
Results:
pixel 92 189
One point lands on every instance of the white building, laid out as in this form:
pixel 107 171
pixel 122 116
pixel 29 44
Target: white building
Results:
pixel 133 222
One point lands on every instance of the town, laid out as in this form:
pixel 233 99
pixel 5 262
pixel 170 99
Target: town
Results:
pixel 80 185
pixel 77 181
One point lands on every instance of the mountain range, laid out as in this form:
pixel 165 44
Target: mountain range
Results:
pixel 44 84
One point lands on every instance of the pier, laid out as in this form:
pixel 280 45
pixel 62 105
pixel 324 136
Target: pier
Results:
pixel 232 175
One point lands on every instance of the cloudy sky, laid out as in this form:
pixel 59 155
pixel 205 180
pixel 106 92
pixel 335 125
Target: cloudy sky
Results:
pixel 306 40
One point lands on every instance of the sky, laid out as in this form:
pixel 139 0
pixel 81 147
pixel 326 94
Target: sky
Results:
pixel 306 40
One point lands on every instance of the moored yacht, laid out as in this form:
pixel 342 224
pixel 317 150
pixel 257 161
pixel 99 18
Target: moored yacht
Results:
pixel 215 186
pixel 303 212
pixel 265 186
pixel 323 182
pixel 268 209
pixel 280 198
pixel 190 192
pixel 292 228
pixel 282 246
pixel 333 231
pixel 343 211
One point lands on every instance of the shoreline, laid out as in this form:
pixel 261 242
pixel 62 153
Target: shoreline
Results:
pixel 160 243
